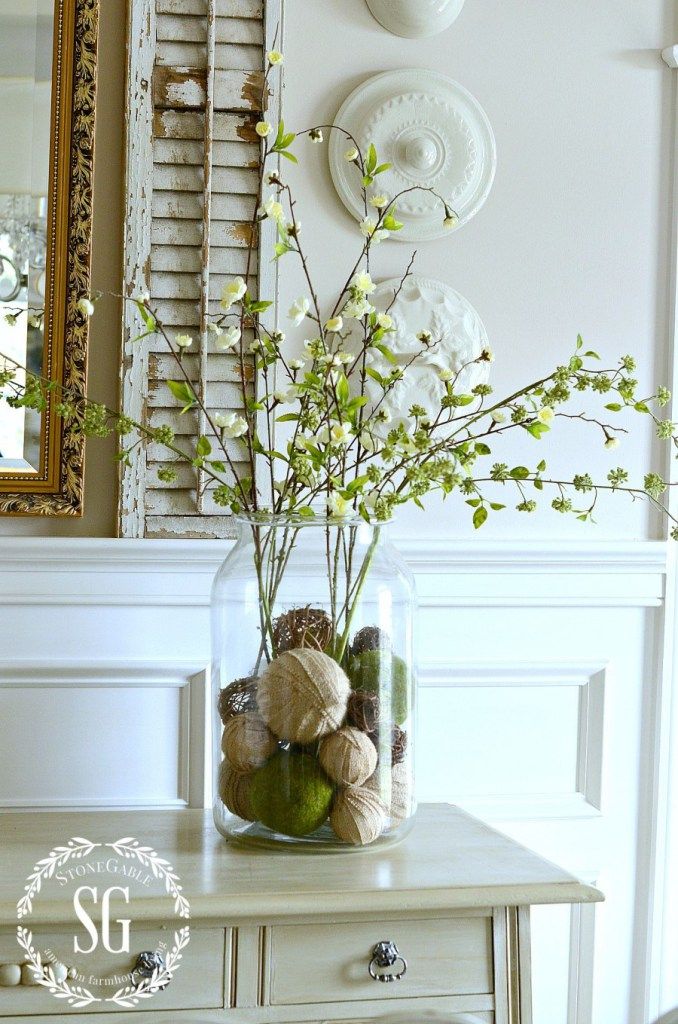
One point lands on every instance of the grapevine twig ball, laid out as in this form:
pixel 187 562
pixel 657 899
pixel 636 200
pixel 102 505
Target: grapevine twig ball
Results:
pixel 247 742
pixel 380 672
pixel 302 627
pixel 302 695
pixel 370 638
pixel 291 794
pixel 237 697
pixel 348 756
pixel 358 816
pixel 364 711
pixel 234 791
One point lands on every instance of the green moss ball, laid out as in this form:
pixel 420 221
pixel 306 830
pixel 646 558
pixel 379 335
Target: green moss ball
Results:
pixel 291 794
pixel 379 672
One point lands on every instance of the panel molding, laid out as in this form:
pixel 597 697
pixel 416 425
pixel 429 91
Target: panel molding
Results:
pixel 188 676
pixel 590 678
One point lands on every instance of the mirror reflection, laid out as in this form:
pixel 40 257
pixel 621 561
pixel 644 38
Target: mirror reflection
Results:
pixel 26 43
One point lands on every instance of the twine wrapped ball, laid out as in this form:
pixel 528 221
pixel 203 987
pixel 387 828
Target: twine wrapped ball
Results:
pixel 247 742
pixel 302 627
pixel 348 756
pixel 358 816
pixel 401 794
pixel 380 672
pixel 302 695
pixel 234 791
pixel 291 794
pixel 237 697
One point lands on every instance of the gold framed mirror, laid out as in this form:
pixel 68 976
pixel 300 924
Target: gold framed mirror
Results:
pixel 47 105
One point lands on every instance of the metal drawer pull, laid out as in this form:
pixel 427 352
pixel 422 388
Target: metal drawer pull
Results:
pixel 385 954
pixel 147 963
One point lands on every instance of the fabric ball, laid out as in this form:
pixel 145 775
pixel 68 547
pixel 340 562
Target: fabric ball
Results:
pixel 395 789
pixel 348 756
pixel 358 816
pixel 401 794
pixel 234 791
pixel 302 695
pixel 247 742
pixel 291 794
pixel 379 672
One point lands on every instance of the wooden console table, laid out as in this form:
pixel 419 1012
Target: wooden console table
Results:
pixel 281 938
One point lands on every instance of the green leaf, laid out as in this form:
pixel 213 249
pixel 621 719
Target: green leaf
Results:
pixel 279 134
pixel 367 180
pixel 538 485
pixel 614 407
pixel 537 429
pixel 519 473
pixel 482 448
pixel 387 354
pixel 183 393
pixel 203 447
pixel 343 389
pixel 542 466
pixel 381 168
pixel 591 354
pixel 641 407
pixel 580 342
pixel 496 507
pixel 479 517
pixel 288 417
pixel 287 140
pixel 218 466
pixel 391 224
pixel 289 156
pixel 465 400
pixel 259 307
pixel 306 511
pixel 473 502
pixel 371 161
pixel 576 363
pixel 375 375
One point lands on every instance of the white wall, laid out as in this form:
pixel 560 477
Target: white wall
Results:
pixel 574 236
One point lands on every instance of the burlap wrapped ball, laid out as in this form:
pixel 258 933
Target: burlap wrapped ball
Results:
pixel 234 791
pixel 358 816
pixel 302 695
pixel 382 673
pixel 247 742
pixel 348 756
pixel 395 790
pixel 291 794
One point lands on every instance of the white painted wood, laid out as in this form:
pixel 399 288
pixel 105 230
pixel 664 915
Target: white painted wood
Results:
pixel 198 83
pixel 443 958
pixel 198 982
pixel 225 883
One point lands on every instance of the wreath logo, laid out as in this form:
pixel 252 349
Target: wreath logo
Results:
pixel 157 971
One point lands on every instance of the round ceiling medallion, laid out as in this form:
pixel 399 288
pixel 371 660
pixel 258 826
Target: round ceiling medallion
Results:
pixel 415 18
pixel 433 132
pixel 458 335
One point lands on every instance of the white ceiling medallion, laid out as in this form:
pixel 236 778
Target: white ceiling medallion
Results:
pixel 433 132
pixel 458 335
pixel 415 18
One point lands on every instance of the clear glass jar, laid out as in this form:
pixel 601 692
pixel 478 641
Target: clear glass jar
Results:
pixel 313 685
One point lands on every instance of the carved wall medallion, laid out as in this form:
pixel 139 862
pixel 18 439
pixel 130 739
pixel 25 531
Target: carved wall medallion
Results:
pixel 458 335
pixel 415 18
pixel 433 132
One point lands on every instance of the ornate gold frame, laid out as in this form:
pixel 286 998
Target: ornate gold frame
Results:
pixel 57 489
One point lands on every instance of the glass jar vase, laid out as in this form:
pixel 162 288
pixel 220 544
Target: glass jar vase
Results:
pixel 313 685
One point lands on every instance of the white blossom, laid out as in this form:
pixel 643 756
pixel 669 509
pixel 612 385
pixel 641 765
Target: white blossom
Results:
pixel 385 321
pixel 230 424
pixel 263 128
pixel 286 396
pixel 363 282
pixel 274 57
pixel 215 330
pixel 450 221
pixel 340 433
pixel 368 227
pixel 546 415
pixel 351 154
pixel 356 309
pixel 315 135
pixel 299 310
pixel 297 364
pixel 445 375
pixel 183 340
pixel 379 202
pixel 612 442
pixel 227 339
pixel 334 324
pixel 337 506
pixel 273 209
pixel 233 291
pixel 86 307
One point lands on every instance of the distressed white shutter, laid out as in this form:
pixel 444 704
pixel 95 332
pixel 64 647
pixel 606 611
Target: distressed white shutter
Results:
pixel 194 97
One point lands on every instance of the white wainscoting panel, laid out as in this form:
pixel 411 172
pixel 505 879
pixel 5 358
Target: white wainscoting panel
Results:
pixel 538 675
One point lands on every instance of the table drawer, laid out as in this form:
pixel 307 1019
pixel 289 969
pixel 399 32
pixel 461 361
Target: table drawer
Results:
pixel 198 983
pixel 330 962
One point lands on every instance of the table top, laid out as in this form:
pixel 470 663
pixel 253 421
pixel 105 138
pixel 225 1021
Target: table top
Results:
pixel 450 860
